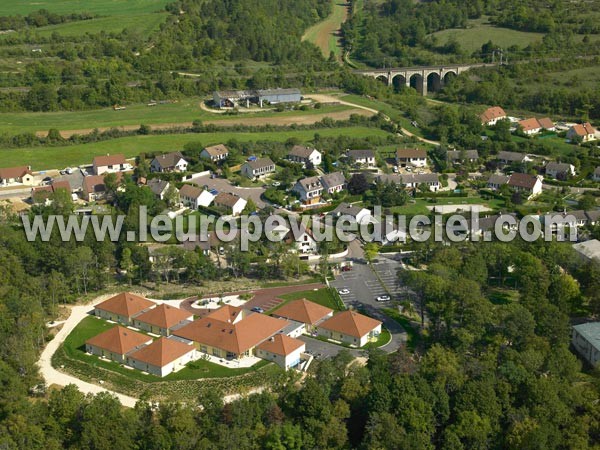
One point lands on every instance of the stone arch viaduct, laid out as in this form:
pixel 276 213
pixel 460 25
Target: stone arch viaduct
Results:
pixel 423 79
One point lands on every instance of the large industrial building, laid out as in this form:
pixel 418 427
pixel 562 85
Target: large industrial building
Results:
pixel 232 99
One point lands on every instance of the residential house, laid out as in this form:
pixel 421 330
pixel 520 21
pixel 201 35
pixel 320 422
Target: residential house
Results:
pixel 162 319
pixel 215 153
pixel 529 184
pixel 283 350
pixel 547 124
pixel 560 171
pixel 586 340
pixel 232 203
pixel 304 155
pixel 310 190
pixel 588 250
pixel 42 194
pixel 190 196
pixel 584 132
pixel 224 339
pixel 206 243
pixel 306 312
pixel 160 187
pixel 116 343
pixel 162 357
pixel 303 240
pixel 364 158
pixel 492 115
pixel 333 182
pixel 596 174
pixel 123 308
pixel 496 181
pixel 110 164
pixel 94 188
pixel 530 126
pixel 360 214
pixel 488 224
pixel 462 156
pixel 16 175
pixel 506 158
pixel 411 157
pixel 351 328
pixel 413 181
pixel 258 168
pixel 169 162
pixel 593 216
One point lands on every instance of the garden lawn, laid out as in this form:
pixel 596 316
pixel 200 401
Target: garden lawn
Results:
pixel 322 296
pixel 101 7
pixel 74 348
pixel 43 158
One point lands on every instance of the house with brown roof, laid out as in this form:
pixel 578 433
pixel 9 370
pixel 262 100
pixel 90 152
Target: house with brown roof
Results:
pixel 162 319
pixel 16 175
pixel 123 307
pixel 190 196
pixel 116 343
pixel 530 185
pixel 257 168
pixel 162 357
pixel 215 153
pixel 584 132
pixel 169 162
pixel 530 126
pixel 350 328
pixel 492 115
pixel 411 157
pixel 310 190
pixel 232 203
pixel 110 164
pixel 283 350
pixel 304 155
pixel 547 124
pixel 304 311
pixel 42 194
pixel 224 339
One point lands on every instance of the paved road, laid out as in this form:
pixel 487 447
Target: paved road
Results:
pixel 324 350
pixel 365 287
pixel 223 185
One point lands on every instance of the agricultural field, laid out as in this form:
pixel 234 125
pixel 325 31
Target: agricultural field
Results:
pixel 101 7
pixel 324 33
pixel 184 111
pixel 480 31
pixel 41 158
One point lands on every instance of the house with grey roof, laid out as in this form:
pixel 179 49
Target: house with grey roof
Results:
pixel 586 340
pixel 462 156
pixel 496 181
pixel 364 158
pixel 169 162
pixel 160 187
pixel 506 158
pixel 304 155
pixel 258 168
pixel 559 171
pixel 215 153
pixel 310 189
pixel 360 214
pixel 333 182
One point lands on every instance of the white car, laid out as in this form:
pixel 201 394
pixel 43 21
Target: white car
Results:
pixel 276 184
pixel 383 298
pixel 344 291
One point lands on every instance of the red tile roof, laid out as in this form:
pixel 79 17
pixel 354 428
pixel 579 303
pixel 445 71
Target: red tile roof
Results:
pixel 125 304
pixel 235 338
pixel 164 316
pixel 304 311
pixel 13 172
pixel 226 313
pixel 162 352
pixel 351 323
pixel 119 340
pixel 530 124
pixel 280 344
pixel 546 123
pixel 583 129
pixel 493 113
pixel 109 160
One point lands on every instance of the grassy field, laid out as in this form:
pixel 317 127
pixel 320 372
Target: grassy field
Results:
pixel 103 7
pixel 323 34
pixel 323 297
pixel 41 158
pixel 74 347
pixel 143 23
pixel 420 205
pixel 479 32
pixel 186 110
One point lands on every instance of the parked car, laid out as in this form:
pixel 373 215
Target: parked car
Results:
pixel 276 184
pixel 346 268
pixel 258 309
pixel 383 298
pixel 344 291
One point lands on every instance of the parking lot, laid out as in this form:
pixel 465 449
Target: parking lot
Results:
pixel 324 350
